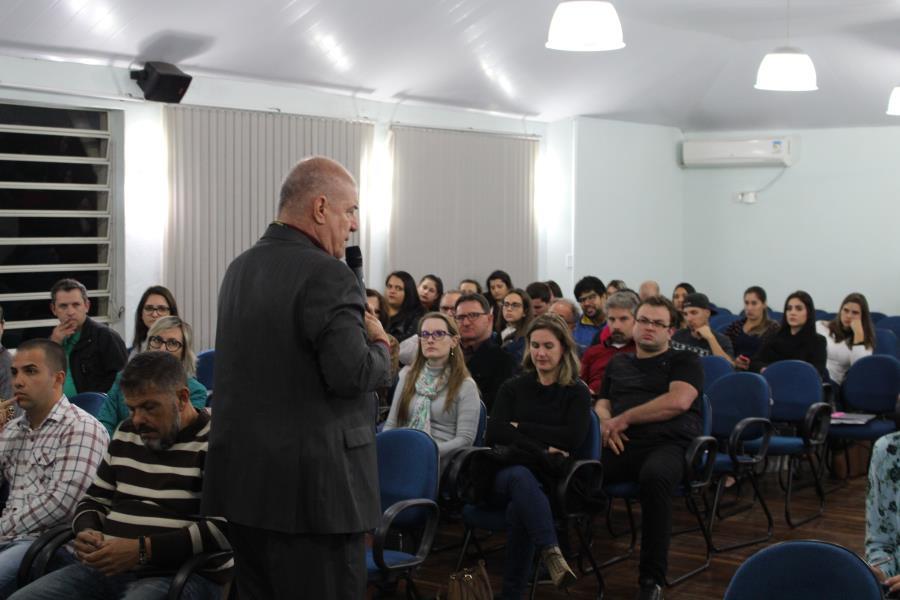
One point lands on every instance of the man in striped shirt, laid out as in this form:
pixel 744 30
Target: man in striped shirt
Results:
pixel 140 520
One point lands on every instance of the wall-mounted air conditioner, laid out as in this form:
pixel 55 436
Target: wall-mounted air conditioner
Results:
pixel 762 152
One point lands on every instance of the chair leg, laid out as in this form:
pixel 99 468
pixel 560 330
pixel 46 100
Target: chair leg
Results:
pixel 820 492
pixel 694 509
pixel 631 544
pixel 770 524
pixel 586 551
pixel 465 548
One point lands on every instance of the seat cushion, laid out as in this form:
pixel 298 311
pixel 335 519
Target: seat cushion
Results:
pixel 779 445
pixel 391 558
pixel 870 431
pixel 488 518
pixel 625 489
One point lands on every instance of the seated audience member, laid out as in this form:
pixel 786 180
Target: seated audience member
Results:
pixel 620 309
pixel 376 304
pixel 516 317
pixel 882 517
pixel 48 456
pixel 447 305
pixel 488 363
pixel 436 394
pixel 430 289
pixel 141 517
pixel 5 363
pixel 555 290
pixel 545 411
pixel 591 295
pixel 95 353
pixel 499 284
pixel 748 333
pixel 403 306
pixel 469 286
pixel 849 336
pixel 616 285
pixel 648 288
pixel 678 295
pixel 156 301
pixel 570 314
pixel 796 339
pixel 169 334
pixel 697 336
pixel 650 412
pixel 409 348
pixel 539 292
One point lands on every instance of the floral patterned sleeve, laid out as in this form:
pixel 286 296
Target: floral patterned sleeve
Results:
pixel 882 517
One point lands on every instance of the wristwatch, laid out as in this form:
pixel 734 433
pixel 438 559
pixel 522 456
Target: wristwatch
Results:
pixel 142 551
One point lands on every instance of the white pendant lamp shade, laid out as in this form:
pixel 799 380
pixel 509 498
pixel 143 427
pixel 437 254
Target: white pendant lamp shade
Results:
pixel 786 70
pixel 894 102
pixel 585 26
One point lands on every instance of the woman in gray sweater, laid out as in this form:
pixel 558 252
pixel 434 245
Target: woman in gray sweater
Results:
pixel 436 394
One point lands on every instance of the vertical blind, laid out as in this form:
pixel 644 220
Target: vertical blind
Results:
pixel 225 173
pixel 463 205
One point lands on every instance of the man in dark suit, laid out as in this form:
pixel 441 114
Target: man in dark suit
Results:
pixel 292 461
pixel 489 364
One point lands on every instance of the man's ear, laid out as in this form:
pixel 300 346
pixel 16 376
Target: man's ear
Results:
pixel 318 207
pixel 184 396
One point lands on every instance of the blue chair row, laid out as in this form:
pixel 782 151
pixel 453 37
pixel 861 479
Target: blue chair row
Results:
pixel 89 402
pixel 885 342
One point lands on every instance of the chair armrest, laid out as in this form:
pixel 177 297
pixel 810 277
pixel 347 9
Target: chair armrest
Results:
pixel 189 567
pixel 735 441
pixel 699 461
pixel 39 553
pixel 814 427
pixel 582 469
pixel 387 520
pixel 459 463
pixel 828 396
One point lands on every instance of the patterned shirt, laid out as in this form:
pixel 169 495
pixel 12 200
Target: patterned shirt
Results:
pixel 48 468
pixel 882 512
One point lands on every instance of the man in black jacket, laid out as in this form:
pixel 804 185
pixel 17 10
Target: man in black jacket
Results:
pixel 489 364
pixel 95 352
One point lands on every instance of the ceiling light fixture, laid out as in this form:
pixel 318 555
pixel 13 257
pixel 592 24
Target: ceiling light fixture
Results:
pixel 786 69
pixel 894 102
pixel 585 26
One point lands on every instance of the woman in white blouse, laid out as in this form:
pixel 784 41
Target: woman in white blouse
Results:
pixel 850 335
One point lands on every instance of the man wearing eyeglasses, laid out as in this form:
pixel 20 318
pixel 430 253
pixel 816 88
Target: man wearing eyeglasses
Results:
pixel 591 295
pixel 95 352
pixel 488 363
pixel 649 406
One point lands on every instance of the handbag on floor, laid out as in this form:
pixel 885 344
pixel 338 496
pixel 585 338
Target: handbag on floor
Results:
pixel 470 584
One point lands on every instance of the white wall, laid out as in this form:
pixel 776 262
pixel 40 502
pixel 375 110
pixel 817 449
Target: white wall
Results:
pixel 829 225
pixel 554 205
pixel 628 202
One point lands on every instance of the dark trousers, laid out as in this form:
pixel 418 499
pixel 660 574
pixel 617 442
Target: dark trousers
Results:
pixel 272 564
pixel 658 468
pixel 530 524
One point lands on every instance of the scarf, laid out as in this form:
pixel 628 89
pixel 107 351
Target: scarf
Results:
pixel 430 383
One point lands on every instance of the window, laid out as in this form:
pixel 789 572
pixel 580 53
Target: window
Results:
pixel 57 213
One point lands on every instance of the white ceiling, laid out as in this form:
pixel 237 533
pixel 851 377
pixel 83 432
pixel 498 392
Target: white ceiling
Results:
pixel 687 63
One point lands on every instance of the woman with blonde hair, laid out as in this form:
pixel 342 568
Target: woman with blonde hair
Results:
pixel 436 394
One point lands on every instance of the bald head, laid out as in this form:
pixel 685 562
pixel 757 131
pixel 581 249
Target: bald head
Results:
pixel 649 288
pixel 311 178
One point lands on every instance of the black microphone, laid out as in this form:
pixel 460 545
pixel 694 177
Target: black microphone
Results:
pixel 353 256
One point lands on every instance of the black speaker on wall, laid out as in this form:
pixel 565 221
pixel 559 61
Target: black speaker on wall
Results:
pixel 162 82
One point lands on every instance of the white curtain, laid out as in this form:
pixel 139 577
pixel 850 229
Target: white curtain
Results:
pixel 463 205
pixel 225 173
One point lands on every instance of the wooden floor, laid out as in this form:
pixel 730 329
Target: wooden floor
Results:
pixel 843 523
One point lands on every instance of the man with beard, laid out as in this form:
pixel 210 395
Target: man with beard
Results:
pixel 620 309
pixel 591 295
pixel 140 520
pixel 649 406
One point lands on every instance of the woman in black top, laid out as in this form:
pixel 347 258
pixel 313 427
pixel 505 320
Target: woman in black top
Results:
pixel 545 411
pixel 748 334
pixel 797 339
pixel 403 306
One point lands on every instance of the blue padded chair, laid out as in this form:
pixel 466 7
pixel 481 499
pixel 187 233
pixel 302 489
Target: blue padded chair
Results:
pixel 804 569
pixel 714 367
pixel 892 323
pixel 796 390
pixel 408 480
pixel 877 316
pixel 822 315
pixel 775 315
pixel 740 413
pixel 722 320
pixel 89 402
pixel 699 461
pixel 206 362
pixel 885 342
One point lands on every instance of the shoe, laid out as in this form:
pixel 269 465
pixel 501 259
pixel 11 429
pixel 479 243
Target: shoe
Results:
pixel 560 573
pixel 650 590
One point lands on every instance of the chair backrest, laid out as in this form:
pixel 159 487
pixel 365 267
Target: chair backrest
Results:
pixel 89 402
pixel 795 385
pixel 482 426
pixel 892 323
pixel 706 414
pixel 872 384
pixel 821 315
pixel 714 367
pixel 877 316
pixel 885 342
pixel 775 315
pixel 722 320
pixel 804 569
pixel 590 448
pixel 735 397
pixel 407 468
pixel 206 363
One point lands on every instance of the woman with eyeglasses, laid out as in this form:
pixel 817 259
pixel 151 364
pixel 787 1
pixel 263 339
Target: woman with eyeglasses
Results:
pixel 156 301
pixel 168 334
pixel 544 411
pixel 796 339
pixel 515 317
pixel 436 394
pixel 403 306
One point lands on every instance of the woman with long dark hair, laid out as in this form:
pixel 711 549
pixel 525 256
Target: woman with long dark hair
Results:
pixel 755 327
pixel 156 301
pixel 796 339
pixel 430 290
pixel 849 336
pixel 403 306
pixel 515 317
pixel 681 292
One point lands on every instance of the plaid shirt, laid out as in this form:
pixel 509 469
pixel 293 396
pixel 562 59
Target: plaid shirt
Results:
pixel 48 468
